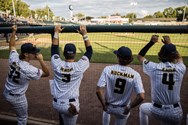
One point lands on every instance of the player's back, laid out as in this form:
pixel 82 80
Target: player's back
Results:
pixel 120 82
pixel 166 80
pixel 68 76
pixel 20 72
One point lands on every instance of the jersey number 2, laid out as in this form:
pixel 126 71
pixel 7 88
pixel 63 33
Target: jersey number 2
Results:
pixel 14 74
pixel 119 86
pixel 168 79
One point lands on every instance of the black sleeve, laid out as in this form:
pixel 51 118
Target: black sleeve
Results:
pixel 144 50
pixel 89 52
pixel 54 49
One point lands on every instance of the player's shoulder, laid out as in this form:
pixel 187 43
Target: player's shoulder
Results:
pixel 109 67
pixel 84 58
pixel 55 56
pixel 13 53
pixel 14 56
pixel 133 71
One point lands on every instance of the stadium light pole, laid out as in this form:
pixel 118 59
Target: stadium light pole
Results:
pixel 13 6
pixel 71 11
pixel 133 4
pixel 184 10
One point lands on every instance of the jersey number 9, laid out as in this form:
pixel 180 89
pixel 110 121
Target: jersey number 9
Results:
pixel 119 86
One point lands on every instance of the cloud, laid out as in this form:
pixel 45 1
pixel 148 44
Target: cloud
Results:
pixel 99 8
pixel 144 13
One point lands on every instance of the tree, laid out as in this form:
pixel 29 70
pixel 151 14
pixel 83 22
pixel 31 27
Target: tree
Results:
pixel 169 12
pixel 6 5
pixel 116 14
pixel 148 16
pixel 180 12
pixel 88 18
pixel 158 14
pixel 22 9
pixel 103 17
pixel 79 15
pixel 44 12
pixel 131 15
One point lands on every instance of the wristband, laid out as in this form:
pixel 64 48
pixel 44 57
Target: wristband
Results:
pixel 56 35
pixel 85 37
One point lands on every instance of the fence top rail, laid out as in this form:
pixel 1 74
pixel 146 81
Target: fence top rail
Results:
pixel 102 28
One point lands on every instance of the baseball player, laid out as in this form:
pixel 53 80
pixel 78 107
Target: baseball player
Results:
pixel 115 87
pixel 68 75
pixel 20 73
pixel 166 79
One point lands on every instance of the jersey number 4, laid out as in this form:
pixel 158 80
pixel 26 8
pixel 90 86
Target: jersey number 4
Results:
pixel 14 74
pixel 168 79
pixel 119 86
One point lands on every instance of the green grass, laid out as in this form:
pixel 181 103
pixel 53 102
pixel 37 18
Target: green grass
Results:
pixel 105 43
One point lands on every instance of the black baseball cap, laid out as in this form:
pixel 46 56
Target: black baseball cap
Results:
pixel 29 48
pixel 69 49
pixel 123 52
pixel 169 49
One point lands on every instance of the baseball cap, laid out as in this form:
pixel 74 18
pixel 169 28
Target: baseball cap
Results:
pixel 69 48
pixel 123 52
pixel 169 49
pixel 29 48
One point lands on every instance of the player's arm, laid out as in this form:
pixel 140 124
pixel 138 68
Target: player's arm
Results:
pixel 166 40
pixel 43 65
pixel 12 43
pixel 139 98
pixel 100 95
pixel 89 50
pixel 55 41
pixel 144 50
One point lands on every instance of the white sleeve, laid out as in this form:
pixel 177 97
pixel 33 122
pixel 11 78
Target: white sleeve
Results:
pixel 13 57
pixel 102 79
pixel 51 82
pixel 148 66
pixel 34 73
pixel 138 86
pixel 55 60
pixel 83 63
pixel 181 68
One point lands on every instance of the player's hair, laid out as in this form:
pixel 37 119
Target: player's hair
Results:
pixel 69 56
pixel 125 61
pixel 21 56
pixel 168 58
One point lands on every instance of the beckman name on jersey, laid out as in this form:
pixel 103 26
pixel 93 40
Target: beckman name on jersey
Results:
pixel 122 74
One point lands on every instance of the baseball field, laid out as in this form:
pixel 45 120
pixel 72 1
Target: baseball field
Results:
pixel 39 98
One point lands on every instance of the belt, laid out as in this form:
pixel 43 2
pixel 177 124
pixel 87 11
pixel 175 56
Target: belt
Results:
pixel 160 106
pixel 70 100
pixel 115 106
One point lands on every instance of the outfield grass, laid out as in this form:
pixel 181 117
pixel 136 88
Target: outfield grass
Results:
pixel 105 43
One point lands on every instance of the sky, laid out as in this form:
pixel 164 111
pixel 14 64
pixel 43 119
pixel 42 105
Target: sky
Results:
pixel 97 8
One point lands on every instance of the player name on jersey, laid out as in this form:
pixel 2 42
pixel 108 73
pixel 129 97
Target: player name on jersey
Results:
pixel 66 70
pixel 168 69
pixel 118 73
